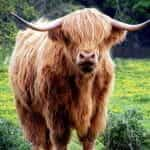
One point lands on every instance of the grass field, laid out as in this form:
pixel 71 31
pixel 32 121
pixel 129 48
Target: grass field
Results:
pixel 132 90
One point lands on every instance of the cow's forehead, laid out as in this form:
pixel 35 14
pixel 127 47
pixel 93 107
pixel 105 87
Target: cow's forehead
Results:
pixel 86 28
pixel 89 45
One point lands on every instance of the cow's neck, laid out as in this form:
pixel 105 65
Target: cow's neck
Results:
pixel 82 108
pixel 84 83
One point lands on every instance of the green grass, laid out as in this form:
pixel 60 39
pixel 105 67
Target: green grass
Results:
pixel 132 90
pixel 7 104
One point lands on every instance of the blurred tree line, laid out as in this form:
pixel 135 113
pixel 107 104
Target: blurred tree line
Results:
pixel 130 11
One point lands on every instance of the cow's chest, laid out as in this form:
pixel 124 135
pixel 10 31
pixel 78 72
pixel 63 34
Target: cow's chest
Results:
pixel 77 100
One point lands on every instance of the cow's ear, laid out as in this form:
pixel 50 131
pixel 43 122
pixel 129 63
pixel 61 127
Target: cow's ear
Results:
pixel 56 34
pixel 116 36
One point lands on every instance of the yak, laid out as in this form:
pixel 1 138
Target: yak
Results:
pixel 62 75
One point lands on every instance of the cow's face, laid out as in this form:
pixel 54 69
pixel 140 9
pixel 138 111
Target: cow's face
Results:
pixel 84 59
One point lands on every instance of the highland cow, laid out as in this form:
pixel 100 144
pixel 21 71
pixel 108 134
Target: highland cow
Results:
pixel 62 74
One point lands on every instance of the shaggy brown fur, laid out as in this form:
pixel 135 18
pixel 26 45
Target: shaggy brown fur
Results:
pixel 52 96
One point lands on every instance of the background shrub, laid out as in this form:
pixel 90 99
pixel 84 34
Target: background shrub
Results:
pixel 11 137
pixel 125 131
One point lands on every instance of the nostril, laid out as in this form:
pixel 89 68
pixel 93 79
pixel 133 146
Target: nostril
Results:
pixel 93 56
pixel 81 56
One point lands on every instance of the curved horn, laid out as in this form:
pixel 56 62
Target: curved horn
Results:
pixel 128 27
pixel 54 24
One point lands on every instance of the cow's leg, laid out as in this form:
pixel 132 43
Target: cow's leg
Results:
pixel 60 138
pixel 88 141
pixel 58 122
pixel 34 128
pixel 98 124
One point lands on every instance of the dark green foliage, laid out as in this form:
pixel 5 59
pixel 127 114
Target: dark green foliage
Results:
pixel 11 138
pixel 8 27
pixel 125 131
pixel 131 11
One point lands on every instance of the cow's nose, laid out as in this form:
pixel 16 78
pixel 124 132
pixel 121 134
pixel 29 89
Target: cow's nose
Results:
pixel 86 56
pixel 87 61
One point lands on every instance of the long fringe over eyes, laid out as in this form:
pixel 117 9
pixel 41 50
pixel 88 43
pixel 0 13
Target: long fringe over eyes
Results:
pixel 87 26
